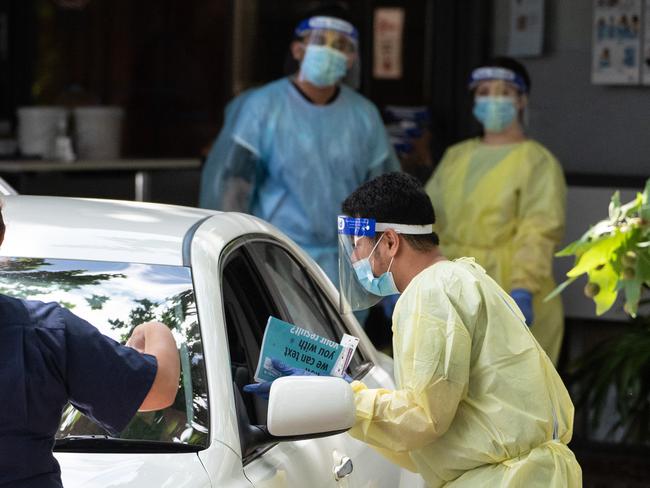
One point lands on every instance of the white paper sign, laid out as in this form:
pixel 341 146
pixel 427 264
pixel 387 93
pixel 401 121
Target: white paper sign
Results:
pixel 526 28
pixel 387 43
pixel 616 42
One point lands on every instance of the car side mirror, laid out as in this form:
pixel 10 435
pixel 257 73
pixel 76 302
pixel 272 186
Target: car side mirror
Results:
pixel 299 407
pixel 308 405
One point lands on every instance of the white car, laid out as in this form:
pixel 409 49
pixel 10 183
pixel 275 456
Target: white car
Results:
pixel 214 278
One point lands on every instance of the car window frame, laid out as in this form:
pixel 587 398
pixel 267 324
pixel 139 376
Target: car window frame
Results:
pixel 233 247
pixel 335 322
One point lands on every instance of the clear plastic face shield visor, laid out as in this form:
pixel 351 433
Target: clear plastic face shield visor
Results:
pixel 331 45
pixel 357 243
pixel 496 87
pixel 496 81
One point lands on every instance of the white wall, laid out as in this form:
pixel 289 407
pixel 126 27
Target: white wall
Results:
pixel 591 129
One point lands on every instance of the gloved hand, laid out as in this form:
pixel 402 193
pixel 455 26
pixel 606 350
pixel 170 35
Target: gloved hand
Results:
pixel 524 299
pixel 262 389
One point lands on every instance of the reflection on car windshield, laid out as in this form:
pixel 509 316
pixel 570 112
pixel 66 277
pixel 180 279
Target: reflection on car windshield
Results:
pixel 116 297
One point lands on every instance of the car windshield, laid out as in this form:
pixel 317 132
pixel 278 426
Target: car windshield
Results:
pixel 116 297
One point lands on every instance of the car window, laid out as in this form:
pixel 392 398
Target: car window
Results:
pixel 262 279
pixel 302 302
pixel 116 297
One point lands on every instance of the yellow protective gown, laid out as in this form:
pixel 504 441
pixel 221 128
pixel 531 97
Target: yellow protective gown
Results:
pixel 478 401
pixel 505 206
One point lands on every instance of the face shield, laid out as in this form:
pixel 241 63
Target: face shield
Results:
pixel 503 76
pixel 331 50
pixel 358 286
pixel 496 92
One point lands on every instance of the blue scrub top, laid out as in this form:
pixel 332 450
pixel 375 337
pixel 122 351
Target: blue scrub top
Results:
pixel 49 356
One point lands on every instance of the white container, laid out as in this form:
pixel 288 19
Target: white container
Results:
pixel 98 132
pixel 37 128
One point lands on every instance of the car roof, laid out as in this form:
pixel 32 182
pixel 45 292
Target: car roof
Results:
pixel 100 230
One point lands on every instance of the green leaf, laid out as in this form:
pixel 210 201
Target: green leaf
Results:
pixel 597 255
pixel 615 206
pixel 577 246
pixel 559 289
pixel 606 278
pixel 631 208
pixel 589 239
pixel 644 211
pixel 632 296
pixel 643 267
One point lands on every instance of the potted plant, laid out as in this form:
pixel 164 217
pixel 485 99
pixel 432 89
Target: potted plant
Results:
pixel 615 255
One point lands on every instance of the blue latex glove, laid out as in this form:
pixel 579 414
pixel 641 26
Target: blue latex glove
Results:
pixel 263 389
pixel 524 299
pixel 260 389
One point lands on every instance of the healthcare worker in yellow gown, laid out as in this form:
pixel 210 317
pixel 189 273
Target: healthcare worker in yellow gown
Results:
pixel 501 199
pixel 478 403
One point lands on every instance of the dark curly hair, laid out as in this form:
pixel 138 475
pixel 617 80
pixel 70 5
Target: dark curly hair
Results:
pixel 396 198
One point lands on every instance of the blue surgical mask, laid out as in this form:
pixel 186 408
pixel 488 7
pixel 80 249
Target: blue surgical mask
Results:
pixel 323 65
pixel 495 113
pixel 383 285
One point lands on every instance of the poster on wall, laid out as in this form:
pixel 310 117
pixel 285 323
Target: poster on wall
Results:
pixel 616 53
pixel 388 27
pixel 526 36
pixel 645 61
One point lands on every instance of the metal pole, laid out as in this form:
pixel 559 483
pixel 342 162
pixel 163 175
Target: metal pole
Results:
pixel 142 186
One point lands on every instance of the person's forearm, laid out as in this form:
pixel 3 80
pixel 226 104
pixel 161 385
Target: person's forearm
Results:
pixel 397 420
pixel 159 342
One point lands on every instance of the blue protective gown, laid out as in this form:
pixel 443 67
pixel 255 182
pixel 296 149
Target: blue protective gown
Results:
pixel 210 175
pixel 307 159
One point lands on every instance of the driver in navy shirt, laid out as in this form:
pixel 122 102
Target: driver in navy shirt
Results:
pixel 49 357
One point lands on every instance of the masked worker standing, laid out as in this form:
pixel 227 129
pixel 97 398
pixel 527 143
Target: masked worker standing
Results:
pixel 299 145
pixel 501 199
pixel 471 408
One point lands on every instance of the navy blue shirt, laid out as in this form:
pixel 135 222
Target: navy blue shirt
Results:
pixel 48 357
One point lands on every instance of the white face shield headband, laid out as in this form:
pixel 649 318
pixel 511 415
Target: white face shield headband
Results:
pixel 359 288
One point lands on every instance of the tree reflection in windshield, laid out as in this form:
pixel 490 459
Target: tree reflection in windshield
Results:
pixel 115 298
pixel 26 277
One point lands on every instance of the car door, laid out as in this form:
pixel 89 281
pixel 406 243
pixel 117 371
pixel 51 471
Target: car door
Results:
pixel 247 306
pixel 299 300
